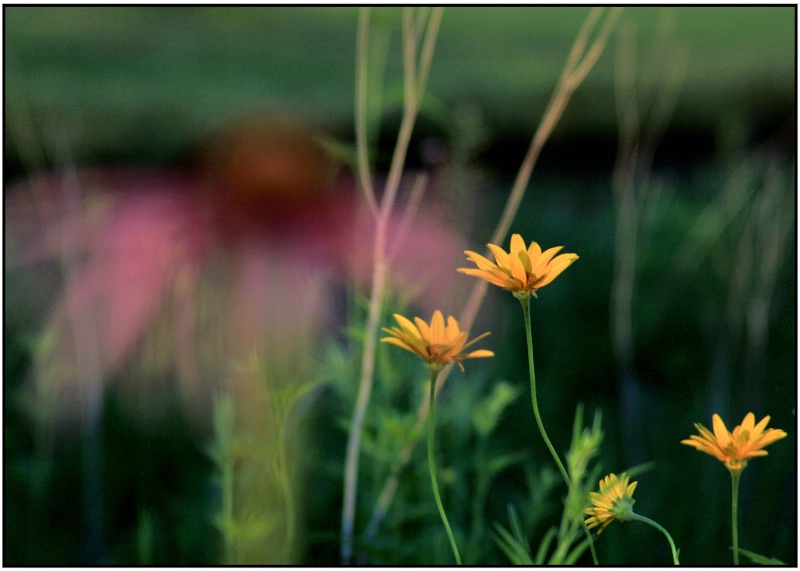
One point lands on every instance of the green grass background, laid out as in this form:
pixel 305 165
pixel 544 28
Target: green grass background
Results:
pixel 125 74
pixel 138 84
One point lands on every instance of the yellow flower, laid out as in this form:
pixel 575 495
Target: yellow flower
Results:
pixel 614 502
pixel 437 344
pixel 746 441
pixel 522 270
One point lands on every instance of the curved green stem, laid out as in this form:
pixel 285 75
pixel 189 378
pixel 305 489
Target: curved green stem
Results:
pixel 432 465
pixel 525 301
pixel 636 516
pixel 734 510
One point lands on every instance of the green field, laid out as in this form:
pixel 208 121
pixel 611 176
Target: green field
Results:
pixel 124 73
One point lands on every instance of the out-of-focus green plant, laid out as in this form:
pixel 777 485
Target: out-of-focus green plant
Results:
pixel 257 462
pixel 487 465
pixel 223 454
pixel 584 447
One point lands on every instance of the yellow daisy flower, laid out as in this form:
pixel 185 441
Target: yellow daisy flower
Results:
pixel 437 344
pixel 522 270
pixel 613 502
pixel 746 441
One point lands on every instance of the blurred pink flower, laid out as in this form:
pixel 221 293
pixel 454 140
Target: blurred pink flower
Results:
pixel 177 275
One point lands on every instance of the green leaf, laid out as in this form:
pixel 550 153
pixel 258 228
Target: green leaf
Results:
pixel 760 559
pixel 640 469
pixel 513 545
pixel 488 411
pixel 516 553
pixel 541 553
pixel 500 463
pixel 576 552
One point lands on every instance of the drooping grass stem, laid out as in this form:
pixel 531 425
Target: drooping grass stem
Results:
pixel 432 465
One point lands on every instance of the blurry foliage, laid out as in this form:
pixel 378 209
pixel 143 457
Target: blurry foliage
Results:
pixel 708 336
pixel 570 540
pixel 110 77
pixel 574 361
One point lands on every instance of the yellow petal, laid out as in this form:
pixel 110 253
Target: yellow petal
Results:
pixel 544 259
pixel 499 255
pixel 526 262
pixel 559 265
pixel 749 422
pixel 517 244
pixel 534 251
pixel 409 327
pixel 480 261
pixel 496 278
pixel 452 329
pixel 480 353
pixel 769 437
pixel 399 343
pixel 437 329
pixel 720 431
pixel 761 425
pixel 706 433
pixel 518 271
pixel 457 342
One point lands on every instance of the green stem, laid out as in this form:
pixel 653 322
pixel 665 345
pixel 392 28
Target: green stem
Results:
pixel 525 301
pixel 284 477
pixel 526 310
pixel 228 461
pixel 636 516
pixel 734 510
pixel 432 466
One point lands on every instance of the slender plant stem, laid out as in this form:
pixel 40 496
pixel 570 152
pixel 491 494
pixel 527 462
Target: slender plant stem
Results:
pixel 414 81
pixel 525 301
pixel 735 474
pixel 284 478
pixel 575 71
pixel 376 295
pixel 227 465
pixel 638 517
pixel 362 56
pixel 432 465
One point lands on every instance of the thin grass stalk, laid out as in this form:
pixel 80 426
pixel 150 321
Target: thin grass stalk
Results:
pixel 362 53
pixel 574 72
pixel 777 216
pixel 640 128
pixel 412 205
pixel 414 84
